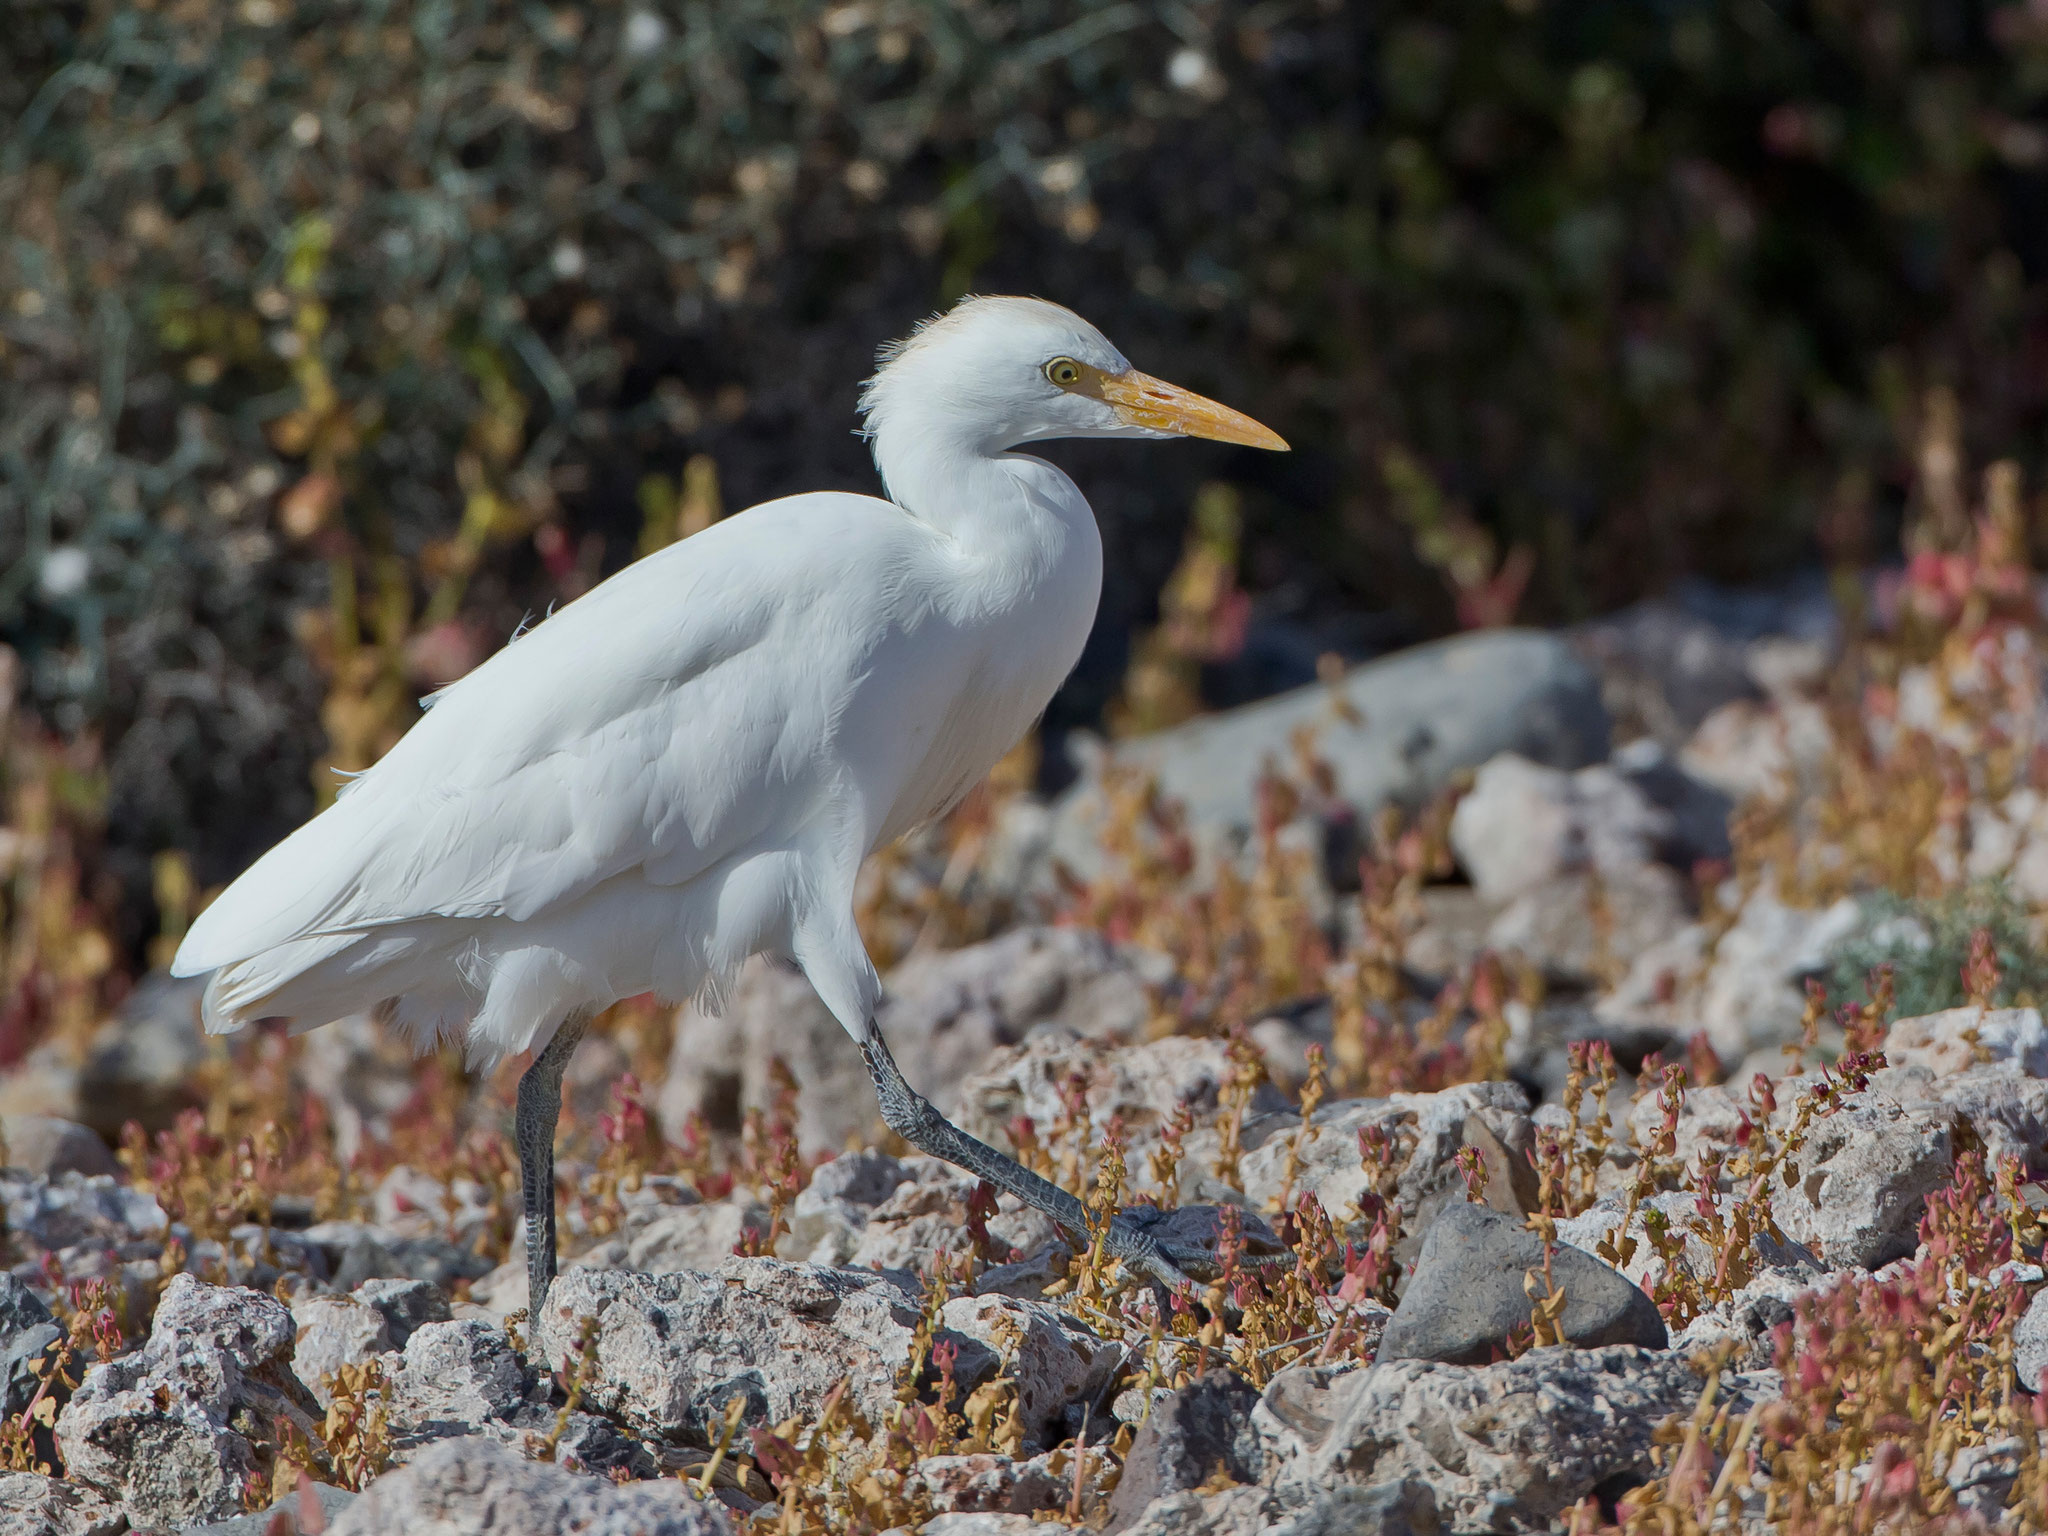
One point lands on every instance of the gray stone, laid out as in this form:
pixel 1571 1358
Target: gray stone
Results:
pixel 405 1305
pixel 1466 1293
pixel 356 1251
pixel 140 1064
pixel 1522 825
pixel 1505 1447
pixel 287 1517
pixel 925 1218
pixel 474 1486
pixel 696 1237
pixel 672 1350
pixel 26 1330
pixel 1405 1507
pixel 2030 1344
pixel 1395 729
pixel 1190 1435
pixel 1664 669
pixel 1060 1365
pixel 1982 1477
pixel 45 1144
pixel 166 1430
pixel 985 1483
pixel 1865 1175
pixel 590 1443
pixel 827 1216
pixel 459 1372
pixel 1143 1084
pixel 1428 1129
pixel 1698 811
pixel 1202 1226
pixel 334 1331
pixel 944 1013
pixel 32 1505
pixel 1941 1042
pixel 70 1210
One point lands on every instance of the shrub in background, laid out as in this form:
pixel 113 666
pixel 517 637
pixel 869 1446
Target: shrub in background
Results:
pixel 1558 299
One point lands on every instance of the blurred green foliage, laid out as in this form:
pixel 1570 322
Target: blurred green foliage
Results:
pixel 1611 291
pixel 1927 943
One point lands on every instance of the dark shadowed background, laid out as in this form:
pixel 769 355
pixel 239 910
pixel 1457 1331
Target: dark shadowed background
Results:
pixel 335 337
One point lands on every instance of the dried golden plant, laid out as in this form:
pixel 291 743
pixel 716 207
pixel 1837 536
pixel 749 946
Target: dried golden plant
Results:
pixel 1312 1089
pixel 355 1434
pixel 1247 1071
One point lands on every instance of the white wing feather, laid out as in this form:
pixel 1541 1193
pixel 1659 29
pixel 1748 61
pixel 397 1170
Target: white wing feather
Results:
pixel 646 725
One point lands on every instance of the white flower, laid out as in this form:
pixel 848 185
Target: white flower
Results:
pixel 645 32
pixel 65 571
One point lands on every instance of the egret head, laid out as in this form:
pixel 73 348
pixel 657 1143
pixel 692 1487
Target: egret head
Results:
pixel 1004 371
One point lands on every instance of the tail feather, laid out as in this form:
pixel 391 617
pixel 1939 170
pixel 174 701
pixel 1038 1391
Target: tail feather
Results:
pixel 284 896
pixel 254 988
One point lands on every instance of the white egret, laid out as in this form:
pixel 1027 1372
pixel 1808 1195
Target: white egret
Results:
pixel 686 765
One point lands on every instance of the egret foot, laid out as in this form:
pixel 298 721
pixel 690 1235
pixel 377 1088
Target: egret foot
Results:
pixel 540 1109
pixel 910 1115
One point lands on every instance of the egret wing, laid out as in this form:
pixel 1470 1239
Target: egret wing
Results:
pixel 657 723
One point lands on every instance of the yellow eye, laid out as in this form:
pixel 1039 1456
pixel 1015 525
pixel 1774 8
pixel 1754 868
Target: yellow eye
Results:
pixel 1063 371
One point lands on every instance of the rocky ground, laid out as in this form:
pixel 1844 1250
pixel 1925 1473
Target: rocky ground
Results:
pixel 1620 1047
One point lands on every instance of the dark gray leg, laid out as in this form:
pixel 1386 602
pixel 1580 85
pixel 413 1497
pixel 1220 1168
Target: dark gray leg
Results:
pixel 540 1107
pixel 912 1117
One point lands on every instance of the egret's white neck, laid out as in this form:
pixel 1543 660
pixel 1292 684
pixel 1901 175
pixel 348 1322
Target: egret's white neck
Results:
pixel 950 468
pixel 946 478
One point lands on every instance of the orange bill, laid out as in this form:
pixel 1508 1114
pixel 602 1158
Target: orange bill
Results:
pixel 1144 401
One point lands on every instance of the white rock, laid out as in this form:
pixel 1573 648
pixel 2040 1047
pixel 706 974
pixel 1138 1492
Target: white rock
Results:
pixel 1588 1229
pixel 1522 825
pixel 1429 1128
pixel 672 1350
pixel 334 1331
pixel 32 1505
pixel 826 1218
pixel 697 1237
pixel 1746 748
pixel 1865 1175
pixel 2030 1344
pixel 985 1484
pixel 1511 1446
pixel 1142 1083
pixel 1059 1363
pixel 1753 995
pixel 945 1014
pixel 477 1487
pixel 925 1218
pixel 1748 1320
pixel 459 1372
pixel 163 1430
pixel 2014 1037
